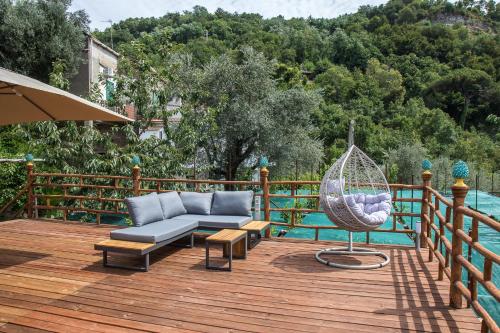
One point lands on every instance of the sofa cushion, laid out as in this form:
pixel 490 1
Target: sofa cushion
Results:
pixel 232 203
pixel 144 209
pixel 171 204
pixel 216 221
pixel 197 203
pixel 154 232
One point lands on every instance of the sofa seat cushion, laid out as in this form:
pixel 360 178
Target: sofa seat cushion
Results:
pixel 233 203
pixel 144 209
pixel 216 221
pixel 154 232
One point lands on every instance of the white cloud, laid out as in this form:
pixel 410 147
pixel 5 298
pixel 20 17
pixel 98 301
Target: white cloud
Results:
pixel 117 10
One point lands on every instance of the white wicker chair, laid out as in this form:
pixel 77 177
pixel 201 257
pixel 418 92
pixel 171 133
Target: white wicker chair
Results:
pixel 356 197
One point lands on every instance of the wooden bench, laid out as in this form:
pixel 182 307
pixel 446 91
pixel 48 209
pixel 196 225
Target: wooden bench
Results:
pixel 255 229
pixel 234 242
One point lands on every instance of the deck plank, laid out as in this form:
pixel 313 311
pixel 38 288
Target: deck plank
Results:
pixel 52 280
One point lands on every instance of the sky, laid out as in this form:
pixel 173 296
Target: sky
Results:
pixel 101 11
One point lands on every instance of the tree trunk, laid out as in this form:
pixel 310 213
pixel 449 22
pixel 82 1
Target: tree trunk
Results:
pixel 465 112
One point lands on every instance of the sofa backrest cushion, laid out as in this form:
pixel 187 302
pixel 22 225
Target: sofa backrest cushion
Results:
pixel 144 209
pixel 197 203
pixel 232 203
pixel 171 204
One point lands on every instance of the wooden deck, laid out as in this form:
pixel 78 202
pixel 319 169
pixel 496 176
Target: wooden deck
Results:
pixel 52 280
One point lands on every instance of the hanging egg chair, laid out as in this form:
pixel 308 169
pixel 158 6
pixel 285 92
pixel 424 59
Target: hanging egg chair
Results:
pixel 356 197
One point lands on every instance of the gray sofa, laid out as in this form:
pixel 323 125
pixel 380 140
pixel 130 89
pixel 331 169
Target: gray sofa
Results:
pixel 166 217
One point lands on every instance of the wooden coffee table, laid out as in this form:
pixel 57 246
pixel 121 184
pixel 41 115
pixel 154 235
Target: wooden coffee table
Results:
pixel 255 229
pixel 234 242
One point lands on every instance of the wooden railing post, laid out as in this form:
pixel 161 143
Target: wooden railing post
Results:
pixel 459 191
pixel 29 185
pixel 424 212
pixel 293 213
pixel 136 175
pixel 264 183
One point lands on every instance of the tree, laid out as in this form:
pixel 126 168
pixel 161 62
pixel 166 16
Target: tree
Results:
pixel 407 15
pixel 337 83
pixel 35 34
pixel 238 113
pixel 348 51
pixel 408 158
pixel 389 81
pixel 148 83
pixel 469 85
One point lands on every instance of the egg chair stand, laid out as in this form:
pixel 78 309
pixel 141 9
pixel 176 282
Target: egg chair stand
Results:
pixel 352 251
pixel 355 196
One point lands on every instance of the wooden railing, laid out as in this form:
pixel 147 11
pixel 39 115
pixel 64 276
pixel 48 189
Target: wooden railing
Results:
pixel 450 254
pixel 103 194
pixel 294 186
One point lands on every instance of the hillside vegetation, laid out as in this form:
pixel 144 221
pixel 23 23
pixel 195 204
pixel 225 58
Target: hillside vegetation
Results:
pixel 423 74
pixel 421 79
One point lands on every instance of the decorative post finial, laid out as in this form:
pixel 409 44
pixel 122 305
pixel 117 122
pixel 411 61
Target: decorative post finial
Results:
pixel 29 159
pixel 426 166
pixel 136 161
pixel 263 162
pixel 460 171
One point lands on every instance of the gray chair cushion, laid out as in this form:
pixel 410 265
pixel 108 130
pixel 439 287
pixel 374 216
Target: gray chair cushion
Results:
pixel 144 209
pixel 232 203
pixel 197 203
pixel 216 221
pixel 154 232
pixel 171 204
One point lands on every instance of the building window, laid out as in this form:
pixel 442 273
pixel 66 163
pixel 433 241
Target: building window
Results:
pixel 107 86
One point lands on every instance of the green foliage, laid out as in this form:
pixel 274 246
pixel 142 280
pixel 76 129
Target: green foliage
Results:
pixel 407 158
pixel 36 34
pixel 141 80
pixel 56 77
pixel 238 113
pixel 419 76
pixel 463 91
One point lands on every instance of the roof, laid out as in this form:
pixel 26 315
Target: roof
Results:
pixel 101 44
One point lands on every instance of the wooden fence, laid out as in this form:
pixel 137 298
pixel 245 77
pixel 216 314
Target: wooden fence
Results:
pixel 104 194
pixel 450 254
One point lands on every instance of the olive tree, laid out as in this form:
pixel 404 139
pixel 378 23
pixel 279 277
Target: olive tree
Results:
pixel 238 113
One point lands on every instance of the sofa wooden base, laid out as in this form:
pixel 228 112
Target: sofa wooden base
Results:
pixel 136 248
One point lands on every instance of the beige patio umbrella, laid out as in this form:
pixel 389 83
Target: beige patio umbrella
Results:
pixel 24 100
